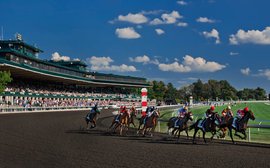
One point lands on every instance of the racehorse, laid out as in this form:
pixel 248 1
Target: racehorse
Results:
pixel 149 125
pixel 132 114
pixel 123 123
pixel 210 125
pixel 224 120
pixel 91 118
pixel 182 126
pixel 241 125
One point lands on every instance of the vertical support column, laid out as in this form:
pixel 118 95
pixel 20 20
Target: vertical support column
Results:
pixel 191 101
pixel 249 138
pixel 144 101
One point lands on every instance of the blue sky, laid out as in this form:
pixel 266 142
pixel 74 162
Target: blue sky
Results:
pixel 170 40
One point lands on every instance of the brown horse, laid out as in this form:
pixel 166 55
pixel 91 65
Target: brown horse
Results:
pixel 149 124
pixel 182 124
pixel 224 119
pixel 132 115
pixel 123 123
pixel 240 126
pixel 91 118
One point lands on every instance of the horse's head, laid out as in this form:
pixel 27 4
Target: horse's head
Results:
pixel 250 115
pixel 215 117
pixel 189 115
pixel 156 113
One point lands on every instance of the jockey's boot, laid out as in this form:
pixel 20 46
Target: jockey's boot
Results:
pixel 176 125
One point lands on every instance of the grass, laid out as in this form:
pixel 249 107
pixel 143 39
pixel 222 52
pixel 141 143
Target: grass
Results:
pixel 261 112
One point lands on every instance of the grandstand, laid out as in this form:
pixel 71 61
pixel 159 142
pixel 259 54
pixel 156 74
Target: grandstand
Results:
pixel 38 80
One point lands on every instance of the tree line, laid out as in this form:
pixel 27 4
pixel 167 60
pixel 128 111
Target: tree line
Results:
pixel 211 90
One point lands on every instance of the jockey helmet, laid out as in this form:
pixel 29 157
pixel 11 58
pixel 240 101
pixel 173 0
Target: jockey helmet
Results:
pixel 212 108
pixel 229 108
pixel 246 109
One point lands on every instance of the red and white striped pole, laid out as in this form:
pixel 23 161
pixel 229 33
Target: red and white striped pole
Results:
pixel 144 101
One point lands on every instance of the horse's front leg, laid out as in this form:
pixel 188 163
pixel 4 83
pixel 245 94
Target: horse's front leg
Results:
pixel 245 135
pixel 144 131
pixel 139 128
pixel 213 134
pixel 178 137
pixel 230 131
pixel 204 137
pixel 87 122
pixel 194 135
pixel 187 132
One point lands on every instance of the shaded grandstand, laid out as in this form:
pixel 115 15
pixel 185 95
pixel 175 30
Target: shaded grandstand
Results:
pixel 65 81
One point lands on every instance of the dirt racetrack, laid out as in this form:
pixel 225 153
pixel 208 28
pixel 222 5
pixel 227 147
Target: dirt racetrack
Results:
pixel 55 139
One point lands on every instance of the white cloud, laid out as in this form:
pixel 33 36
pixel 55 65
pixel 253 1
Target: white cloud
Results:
pixel 213 34
pixel 265 73
pixel 205 20
pixel 251 36
pixel 167 18
pixel 234 53
pixel 127 33
pixel 182 24
pixel 191 64
pixel 57 57
pixel 144 59
pixel 76 59
pixel 182 2
pixel 159 31
pixel 137 18
pixel 100 61
pixel 103 64
pixel 245 71
pixel 156 21
pixel 140 59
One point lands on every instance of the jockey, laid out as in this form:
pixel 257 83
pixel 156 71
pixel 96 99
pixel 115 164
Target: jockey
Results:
pixel 227 112
pixel 133 108
pixel 180 115
pixel 93 110
pixel 122 110
pixel 239 115
pixel 149 112
pixel 207 114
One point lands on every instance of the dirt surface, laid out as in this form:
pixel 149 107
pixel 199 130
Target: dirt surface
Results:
pixel 58 140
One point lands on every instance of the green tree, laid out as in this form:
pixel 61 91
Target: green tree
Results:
pixel 5 78
pixel 170 94
pixel 198 90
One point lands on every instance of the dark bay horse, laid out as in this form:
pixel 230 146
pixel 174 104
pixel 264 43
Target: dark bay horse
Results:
pixel 123 123
pixel 210 125
pixel 241 125
pixel 182 126
pixel 91 118
pixel 150 124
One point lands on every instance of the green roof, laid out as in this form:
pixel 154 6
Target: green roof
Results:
pixel 21 43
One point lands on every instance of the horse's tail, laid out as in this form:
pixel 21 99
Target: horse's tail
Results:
pixel 194 125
